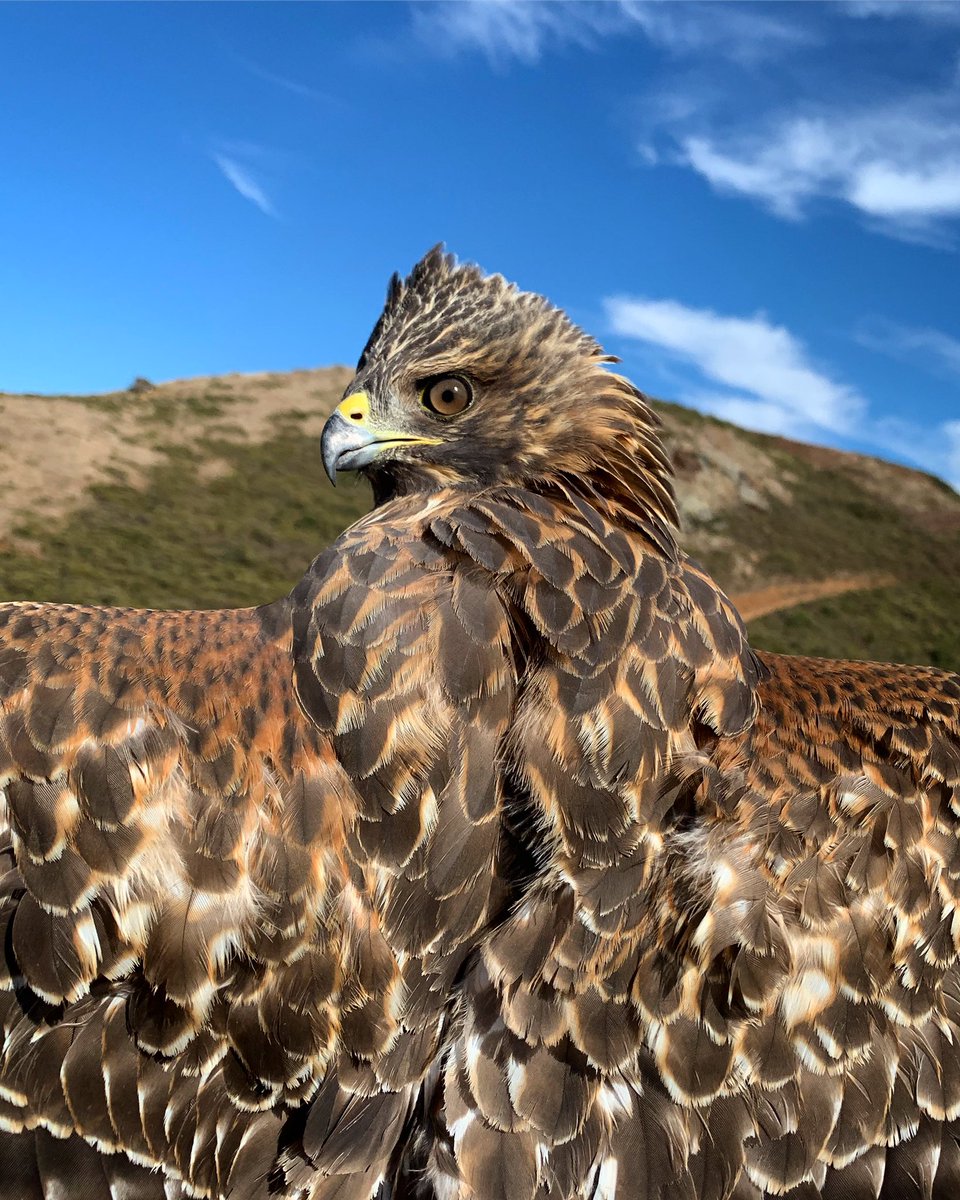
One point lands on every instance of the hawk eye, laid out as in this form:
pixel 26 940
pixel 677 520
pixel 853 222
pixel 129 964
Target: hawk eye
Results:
pixel 447 396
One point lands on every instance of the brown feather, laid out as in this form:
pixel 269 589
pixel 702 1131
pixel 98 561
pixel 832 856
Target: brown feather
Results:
pixel 489 864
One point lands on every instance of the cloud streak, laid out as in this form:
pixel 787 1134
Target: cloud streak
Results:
pixel 936 12
pixel 932 349
pixel 243 181
pixel 282 81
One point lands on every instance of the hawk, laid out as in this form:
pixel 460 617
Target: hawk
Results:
pixel 489 864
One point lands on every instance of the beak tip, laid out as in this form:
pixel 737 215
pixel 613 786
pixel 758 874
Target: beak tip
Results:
pixel 331 446
pixel 342 444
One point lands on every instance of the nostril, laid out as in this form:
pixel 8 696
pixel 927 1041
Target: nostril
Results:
pixel 356 416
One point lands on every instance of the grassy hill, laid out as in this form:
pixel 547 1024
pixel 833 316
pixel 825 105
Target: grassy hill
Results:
pixel 210 492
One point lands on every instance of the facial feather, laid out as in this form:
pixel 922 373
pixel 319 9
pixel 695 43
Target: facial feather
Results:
pixel 546 412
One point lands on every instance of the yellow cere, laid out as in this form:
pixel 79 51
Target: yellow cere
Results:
pixel 355 408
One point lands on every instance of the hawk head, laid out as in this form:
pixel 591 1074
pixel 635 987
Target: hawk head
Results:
pixel 467 381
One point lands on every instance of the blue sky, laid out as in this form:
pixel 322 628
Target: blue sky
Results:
pixel 757 206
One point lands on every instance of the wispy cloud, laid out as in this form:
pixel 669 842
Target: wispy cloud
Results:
pixel 504 29
pixel 759 375
pixel 526 29
pixel 939 12
pixel 898 165
pixel 241 178
pixel 894 160
pixel 938 354
pixel 931 349
pixel 278 80
pixel 772 382
pixel 747 33
pixel 886 149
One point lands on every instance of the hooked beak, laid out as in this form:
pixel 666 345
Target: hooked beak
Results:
pixel 349 441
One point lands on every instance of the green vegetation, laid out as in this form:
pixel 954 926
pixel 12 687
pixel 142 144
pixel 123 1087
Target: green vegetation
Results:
pixel 831 525
pixel 834 526
pixel 909 623
pixel 243 538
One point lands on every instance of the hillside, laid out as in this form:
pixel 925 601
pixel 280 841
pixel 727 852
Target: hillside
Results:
pixel 209 492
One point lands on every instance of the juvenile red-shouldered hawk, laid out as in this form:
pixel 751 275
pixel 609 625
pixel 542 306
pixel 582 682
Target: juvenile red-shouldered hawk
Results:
pixel 489 864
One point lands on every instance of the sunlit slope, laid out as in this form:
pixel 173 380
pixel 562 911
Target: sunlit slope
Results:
pixel 210 492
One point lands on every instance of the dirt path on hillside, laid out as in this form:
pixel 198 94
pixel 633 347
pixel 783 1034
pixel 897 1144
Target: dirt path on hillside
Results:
pixel 766 600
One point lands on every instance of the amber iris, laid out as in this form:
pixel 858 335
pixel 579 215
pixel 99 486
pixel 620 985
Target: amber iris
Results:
pixel 448 396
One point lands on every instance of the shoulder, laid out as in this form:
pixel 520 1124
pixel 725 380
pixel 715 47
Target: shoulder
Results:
pixel 77 672
pixel 861 689
pixel 889 708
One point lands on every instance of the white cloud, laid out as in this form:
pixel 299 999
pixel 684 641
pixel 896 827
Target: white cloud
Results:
pixel 747 34
pixel 783 170
pixel 895 160
pixel 505 29
pixel 884 190
pixel 768 382
pixel 764 365
pixel 898 164
pixel 526 29
pixel 244 182
pixel 937 448
pixel 763 416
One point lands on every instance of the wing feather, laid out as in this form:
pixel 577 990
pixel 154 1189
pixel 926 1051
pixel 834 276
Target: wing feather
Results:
pixel 492 856
pixel 146 835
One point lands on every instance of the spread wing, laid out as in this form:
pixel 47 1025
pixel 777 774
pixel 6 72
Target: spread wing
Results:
pixel 772 1004
pixel 857 770
pixel 160 841
pixel 233 929
pixel 493 857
